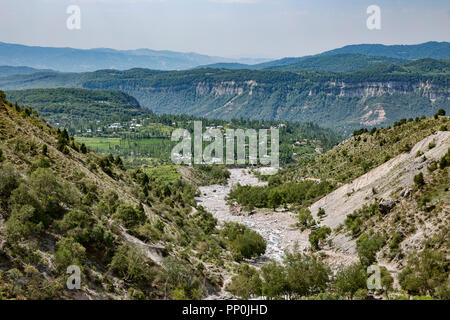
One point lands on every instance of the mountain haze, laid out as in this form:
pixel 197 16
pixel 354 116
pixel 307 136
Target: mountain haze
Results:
pixel 79 60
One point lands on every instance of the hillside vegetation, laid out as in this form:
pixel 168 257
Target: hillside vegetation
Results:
pixel 338 63
pixel 132 236
pixel 354 203
pixel 378 96
pixel 367 149
pixel 78 108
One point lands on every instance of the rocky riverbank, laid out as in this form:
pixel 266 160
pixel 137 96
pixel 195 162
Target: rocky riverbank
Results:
pixel 278 228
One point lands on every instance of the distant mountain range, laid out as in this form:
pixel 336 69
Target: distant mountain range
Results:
pixel 79 60
pixel 348 58
pixel 376 96
pixel 341 62
pixel 10 70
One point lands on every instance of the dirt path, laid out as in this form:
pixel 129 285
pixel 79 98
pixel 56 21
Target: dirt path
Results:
pixel 276 227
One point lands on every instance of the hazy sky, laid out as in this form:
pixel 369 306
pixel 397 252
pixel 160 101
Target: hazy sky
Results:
pixel 232 28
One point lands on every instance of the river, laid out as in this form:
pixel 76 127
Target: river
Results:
pixel 278 228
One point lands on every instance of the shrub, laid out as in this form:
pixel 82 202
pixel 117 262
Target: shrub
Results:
pixel 69 252
pixel 395 241
pixel 426 273
pixel 305 219
pixel 350 279
pixel 244 243
pixel 44 192
pixel 10 180
pixel 361 294
pixel 274 199
pixel 39 162
pixel 83 148
pixel 321 212
pixel 386 280
pixel 44 149
pixel 418 179
pixel 20 224
pixel 246 283
pixel 317 236
pixel 274 283
pixel 204 220
pixel 355 221
pixel 306 275
pixel 131 265
pixel 182 279
pixel 445 160
pixel 129 216
pixel 368 245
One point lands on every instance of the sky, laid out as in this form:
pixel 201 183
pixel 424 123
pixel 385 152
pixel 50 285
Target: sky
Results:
pixel 227 28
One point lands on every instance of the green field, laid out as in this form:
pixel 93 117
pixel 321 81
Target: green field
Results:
pixel 164 174
pixel 157 148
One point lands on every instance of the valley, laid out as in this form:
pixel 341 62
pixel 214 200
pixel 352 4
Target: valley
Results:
pixel 87 178
pixel 344 101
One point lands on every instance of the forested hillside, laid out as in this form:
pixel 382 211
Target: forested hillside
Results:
pixel 339 63
pixel 78 108
pixel 378 96
pixel 132 236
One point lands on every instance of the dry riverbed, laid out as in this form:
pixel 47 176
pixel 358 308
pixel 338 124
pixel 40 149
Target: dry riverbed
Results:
pixel 278 228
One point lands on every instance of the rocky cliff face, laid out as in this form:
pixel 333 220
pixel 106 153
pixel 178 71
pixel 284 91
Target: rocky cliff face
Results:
pixel 340 89
pixel 371 89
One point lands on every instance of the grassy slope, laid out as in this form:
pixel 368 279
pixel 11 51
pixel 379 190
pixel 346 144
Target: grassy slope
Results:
pixel 358 154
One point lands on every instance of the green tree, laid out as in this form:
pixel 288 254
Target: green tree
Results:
pixel 305 219
pixel 44 149
pixel 274 199
pixel 317 236
pixel 131 265
pixel 129 216
pixel 10 180
pixel 306 275
pixel 69 252
pixel 321 212
pixel 350 279
pixel 274 283
pixel 387 280
pixel 368 245
pixel 180 278
pixel 20 224
pixel 83 148
pixel 418 179
pixel 246 283
pixel 425 273
pixel 244 242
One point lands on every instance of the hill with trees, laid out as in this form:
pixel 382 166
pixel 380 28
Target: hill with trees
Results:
pixel 132 236
pixel 339 63
pixel 77 108
pixel 381 196
pixel 379 95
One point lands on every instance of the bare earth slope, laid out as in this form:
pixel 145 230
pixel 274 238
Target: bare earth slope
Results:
pixel 397 173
